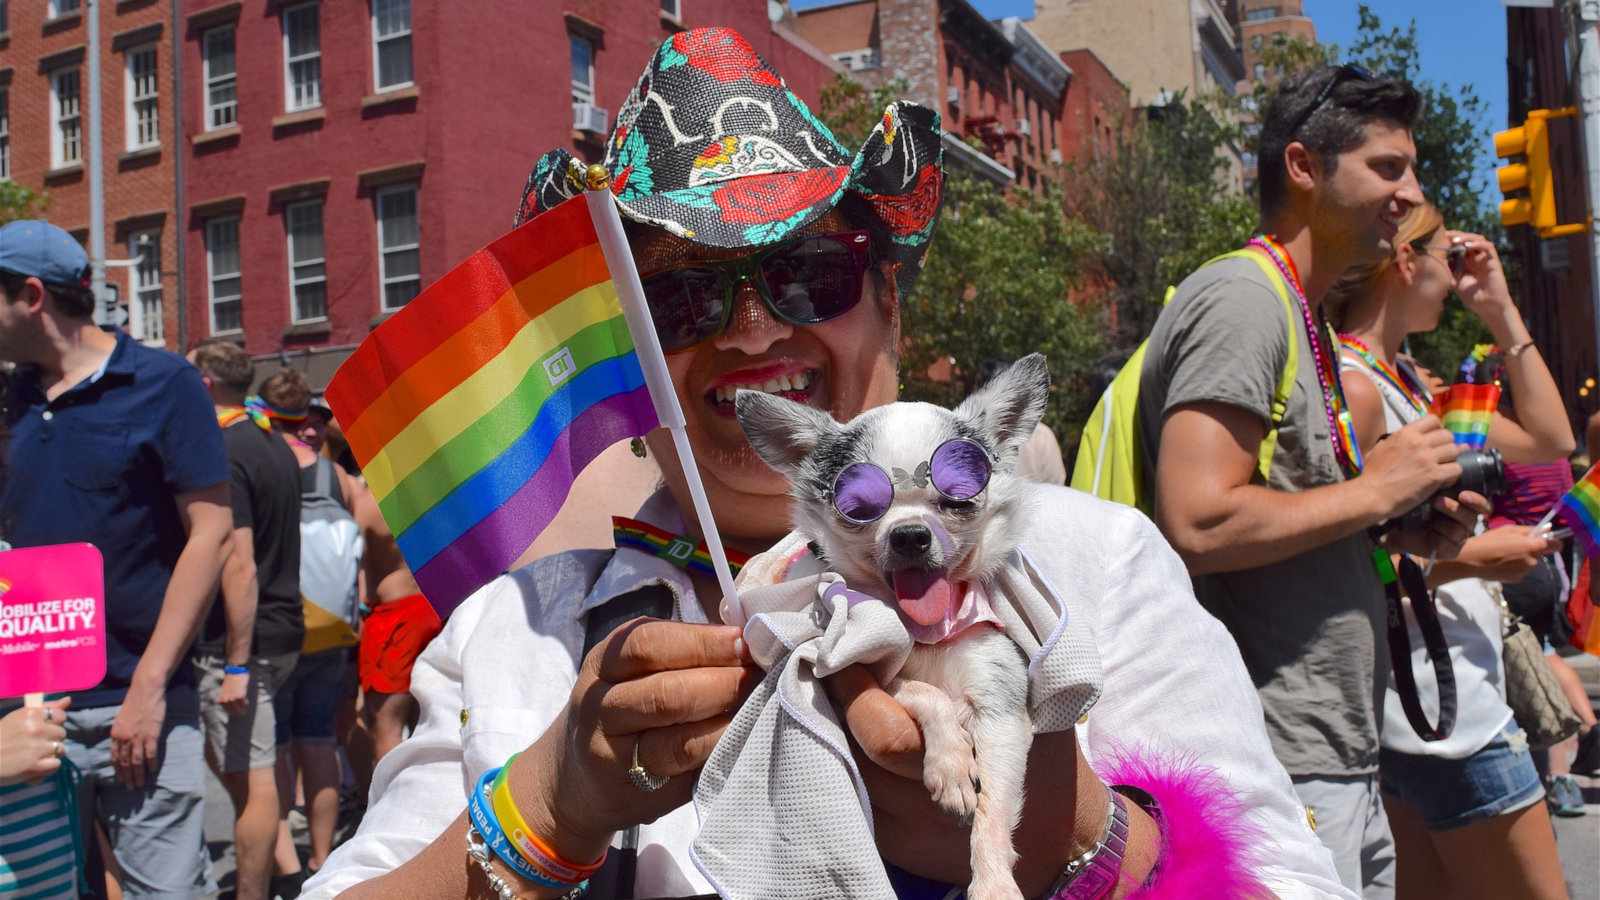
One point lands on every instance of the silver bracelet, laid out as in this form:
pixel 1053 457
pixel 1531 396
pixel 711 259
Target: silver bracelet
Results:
pixel 478 852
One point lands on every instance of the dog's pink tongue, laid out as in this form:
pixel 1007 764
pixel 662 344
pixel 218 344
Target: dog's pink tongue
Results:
pixel 924 595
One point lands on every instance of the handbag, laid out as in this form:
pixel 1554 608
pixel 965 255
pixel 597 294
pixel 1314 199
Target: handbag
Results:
pixel 1532 691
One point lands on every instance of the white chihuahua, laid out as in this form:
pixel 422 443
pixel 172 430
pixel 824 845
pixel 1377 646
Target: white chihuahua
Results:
pixel 920 503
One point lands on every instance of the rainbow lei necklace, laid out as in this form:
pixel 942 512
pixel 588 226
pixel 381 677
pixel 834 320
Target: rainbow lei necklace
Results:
pixel 1345 447
pixel 1401 379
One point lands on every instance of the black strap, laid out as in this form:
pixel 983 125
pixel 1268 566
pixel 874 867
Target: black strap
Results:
pixel 1427 615
pixel 615 878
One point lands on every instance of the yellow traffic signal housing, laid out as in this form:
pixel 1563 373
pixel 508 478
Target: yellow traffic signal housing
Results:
pixel 1532 143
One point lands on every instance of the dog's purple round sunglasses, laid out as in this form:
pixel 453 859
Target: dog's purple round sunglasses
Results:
pixel 959 470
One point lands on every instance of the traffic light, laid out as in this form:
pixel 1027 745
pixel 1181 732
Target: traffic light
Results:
pixel 1531 142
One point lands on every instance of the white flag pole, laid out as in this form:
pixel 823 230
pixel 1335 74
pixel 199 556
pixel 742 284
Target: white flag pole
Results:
pixel 614 244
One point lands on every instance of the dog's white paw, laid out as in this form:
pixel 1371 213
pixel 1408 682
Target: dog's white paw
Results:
pixel 951 778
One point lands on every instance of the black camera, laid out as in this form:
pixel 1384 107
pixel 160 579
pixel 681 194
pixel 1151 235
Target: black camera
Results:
pixel 1482 472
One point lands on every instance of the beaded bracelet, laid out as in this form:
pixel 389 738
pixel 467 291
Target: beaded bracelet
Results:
pixel 481 817
pixel 478 852
pixel 535 851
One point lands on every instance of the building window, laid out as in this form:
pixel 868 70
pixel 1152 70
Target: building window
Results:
pixel 222 89
pixel 66 131
pixel 1263 13
pixel 5 17
pixel 141 90
pixel 148 324
pixel 1255 43
pixel 582 69
pixel 62 7
pixel 399 245
pixel 222 270
pixel 308 276
pixel 5 134
pixel 391 43
pixel 302 58
pixel 672 9
pixel 1261 71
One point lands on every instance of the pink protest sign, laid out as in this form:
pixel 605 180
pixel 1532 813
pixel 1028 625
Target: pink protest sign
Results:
pixel 52 632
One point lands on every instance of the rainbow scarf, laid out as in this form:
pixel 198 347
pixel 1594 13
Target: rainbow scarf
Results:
pixel 227 415
pixel 473 409
pixel 1467 410
pixel 680 551
pixel 259 407
pixel 1579 510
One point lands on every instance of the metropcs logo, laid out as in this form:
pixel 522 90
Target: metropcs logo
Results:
pixel 559 367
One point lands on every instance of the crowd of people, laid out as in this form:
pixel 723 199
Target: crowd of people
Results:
pixel 262 621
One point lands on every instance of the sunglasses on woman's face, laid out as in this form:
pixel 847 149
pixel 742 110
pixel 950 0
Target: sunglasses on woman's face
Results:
pixel 959 470
pixel 804 281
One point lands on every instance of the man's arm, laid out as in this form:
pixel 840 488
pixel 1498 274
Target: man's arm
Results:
pixel 240 594
pixel 136 733
pixel 1219 521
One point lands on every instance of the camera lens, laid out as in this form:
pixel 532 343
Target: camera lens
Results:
pixel 1482 472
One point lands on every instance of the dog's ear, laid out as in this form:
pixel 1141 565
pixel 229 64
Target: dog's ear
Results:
pixel 1008 408
pixel 782 432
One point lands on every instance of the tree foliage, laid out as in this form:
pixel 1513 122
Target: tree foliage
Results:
pixel 18 202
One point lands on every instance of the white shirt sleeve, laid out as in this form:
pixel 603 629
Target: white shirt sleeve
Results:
pixel 418 788
pixel 1176 685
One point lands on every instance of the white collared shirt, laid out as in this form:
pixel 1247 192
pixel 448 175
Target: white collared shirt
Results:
pixel 502 670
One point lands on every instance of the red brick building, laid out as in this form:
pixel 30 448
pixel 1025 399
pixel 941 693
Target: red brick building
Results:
pixel 1097 107
pixel 44 114
pixel 1265 22
pixel 341 155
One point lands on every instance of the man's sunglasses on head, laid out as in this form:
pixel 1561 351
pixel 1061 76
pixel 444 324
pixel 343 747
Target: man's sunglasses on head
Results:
pixel 804 281
pixel 1346 72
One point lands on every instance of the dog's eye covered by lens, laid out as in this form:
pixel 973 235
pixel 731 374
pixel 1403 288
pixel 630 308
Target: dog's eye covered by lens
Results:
pixel 960 469
pixel 862 493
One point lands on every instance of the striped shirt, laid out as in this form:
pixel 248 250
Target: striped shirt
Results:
pixel 37 860
pixel 1531 490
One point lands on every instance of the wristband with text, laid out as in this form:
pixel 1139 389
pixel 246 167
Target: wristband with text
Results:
pixel 488 827
pixel 538 853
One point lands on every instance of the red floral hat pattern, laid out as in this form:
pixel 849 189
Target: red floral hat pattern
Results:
pixel 712 146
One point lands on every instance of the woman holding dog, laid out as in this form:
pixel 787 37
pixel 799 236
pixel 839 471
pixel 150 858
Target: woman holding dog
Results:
pixel 745 218
pixel 1465 810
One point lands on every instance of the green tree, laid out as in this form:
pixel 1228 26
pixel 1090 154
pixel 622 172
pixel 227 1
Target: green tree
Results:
pixel 17 202
pixel 852 109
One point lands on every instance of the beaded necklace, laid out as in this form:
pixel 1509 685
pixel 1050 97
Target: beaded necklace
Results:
pixel 1399 378
pixel 1345 447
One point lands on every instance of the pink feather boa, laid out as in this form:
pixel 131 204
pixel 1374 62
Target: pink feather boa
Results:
pixel 1207 841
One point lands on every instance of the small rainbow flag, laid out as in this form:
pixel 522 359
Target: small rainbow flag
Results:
pixel 473 409
pixel 1579 510
pixel 1467 410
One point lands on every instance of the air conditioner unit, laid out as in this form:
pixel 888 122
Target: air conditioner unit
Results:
pixel 590 118
pixel 1055 156
pixel 1024 127
pixel 952 95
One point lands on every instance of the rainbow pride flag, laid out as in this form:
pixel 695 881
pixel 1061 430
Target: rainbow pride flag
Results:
pixel 1467 410
pixel 1579 510
pixel 473 409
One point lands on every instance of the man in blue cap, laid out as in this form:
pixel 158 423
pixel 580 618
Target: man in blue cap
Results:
pixel 115 443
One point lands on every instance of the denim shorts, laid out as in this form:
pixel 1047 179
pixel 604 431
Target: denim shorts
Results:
pixel 308 702
pixel 1451 793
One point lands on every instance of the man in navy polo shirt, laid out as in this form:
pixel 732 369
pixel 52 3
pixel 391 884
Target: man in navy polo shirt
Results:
pixel 115 443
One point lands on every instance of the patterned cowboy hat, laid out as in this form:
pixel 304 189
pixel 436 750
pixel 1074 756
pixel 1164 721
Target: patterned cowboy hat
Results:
pixel 712 146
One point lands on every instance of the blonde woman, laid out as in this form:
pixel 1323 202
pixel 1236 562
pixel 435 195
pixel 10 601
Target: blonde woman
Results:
pixel 1465 810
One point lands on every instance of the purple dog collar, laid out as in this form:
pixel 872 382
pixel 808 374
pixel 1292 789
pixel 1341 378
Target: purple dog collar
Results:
pixel 1092 875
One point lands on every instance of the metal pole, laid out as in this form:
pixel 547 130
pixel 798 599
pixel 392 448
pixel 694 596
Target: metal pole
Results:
pixel 95 151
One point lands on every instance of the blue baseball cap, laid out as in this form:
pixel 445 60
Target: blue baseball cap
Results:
pixel 43 251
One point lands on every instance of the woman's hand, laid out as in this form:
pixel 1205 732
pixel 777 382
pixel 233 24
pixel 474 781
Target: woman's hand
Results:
pixel 30 741
pixel 1506 554
pixel 1482 285
pixel 668 687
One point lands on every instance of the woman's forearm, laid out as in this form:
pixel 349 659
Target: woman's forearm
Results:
pixel 439 872
pixel 1541 432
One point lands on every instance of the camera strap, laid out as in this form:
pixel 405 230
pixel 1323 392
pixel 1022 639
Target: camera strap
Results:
pixel 1410 578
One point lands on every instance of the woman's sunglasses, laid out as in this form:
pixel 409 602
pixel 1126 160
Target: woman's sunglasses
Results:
pixel 959 470
pixel 1455 258
pixel 804 281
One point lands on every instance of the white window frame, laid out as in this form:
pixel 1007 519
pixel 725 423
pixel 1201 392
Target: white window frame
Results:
pixel 59 8
pixel 384 279
pixel 212 276
pixel 142 99
pixel 582 93
pixel 5 132
pixel 229 110
pixel 145 327
pixel 672 9
pixel 313 98
pixel 295 280
pixel 377 40
pixel 59 118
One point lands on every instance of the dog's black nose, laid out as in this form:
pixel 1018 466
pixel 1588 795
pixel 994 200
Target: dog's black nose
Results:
pixel 910 540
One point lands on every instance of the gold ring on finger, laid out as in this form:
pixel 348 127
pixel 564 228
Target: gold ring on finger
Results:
pixel 642 778
pixel 60 749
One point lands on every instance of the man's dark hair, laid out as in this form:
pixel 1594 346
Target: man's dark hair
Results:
pixel 1336 126
pixel 74 301
pixel 226 363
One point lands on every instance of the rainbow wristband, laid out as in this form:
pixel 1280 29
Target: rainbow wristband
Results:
pixel 535 851
pixel 489 828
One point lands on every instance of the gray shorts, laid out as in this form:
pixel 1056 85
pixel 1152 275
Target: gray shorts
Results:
pixel 238 743
pixel 157 832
